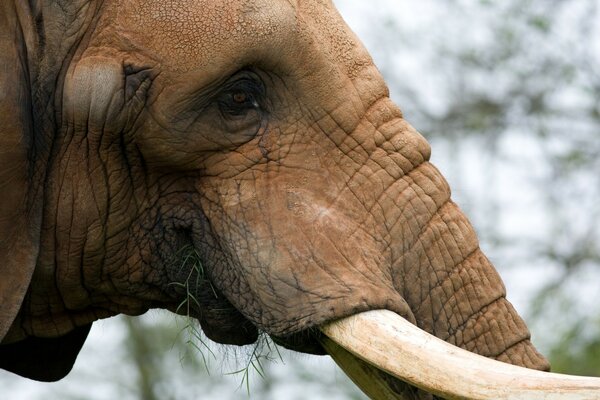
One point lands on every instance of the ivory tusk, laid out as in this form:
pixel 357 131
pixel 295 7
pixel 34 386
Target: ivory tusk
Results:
pixel 367 377
pixel 399 348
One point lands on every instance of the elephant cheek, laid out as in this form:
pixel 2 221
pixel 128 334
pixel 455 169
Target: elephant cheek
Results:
pixel 291 266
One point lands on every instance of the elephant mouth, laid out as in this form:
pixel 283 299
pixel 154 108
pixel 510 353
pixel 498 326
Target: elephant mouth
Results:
pixel 378 348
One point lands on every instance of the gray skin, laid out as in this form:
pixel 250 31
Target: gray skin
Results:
pixel 257 133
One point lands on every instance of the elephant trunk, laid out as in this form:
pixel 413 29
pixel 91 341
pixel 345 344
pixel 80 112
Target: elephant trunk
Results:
pixel 436 265
pixel 461 299
pixel 453 292
pixel 450 288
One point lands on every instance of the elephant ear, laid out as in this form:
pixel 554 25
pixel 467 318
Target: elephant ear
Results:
pixel 45 359
pixel 19 220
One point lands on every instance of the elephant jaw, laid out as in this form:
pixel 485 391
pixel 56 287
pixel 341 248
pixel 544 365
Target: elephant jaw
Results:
pixel 370 345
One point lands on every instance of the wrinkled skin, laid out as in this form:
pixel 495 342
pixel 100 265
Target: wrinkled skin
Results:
pixel 258 133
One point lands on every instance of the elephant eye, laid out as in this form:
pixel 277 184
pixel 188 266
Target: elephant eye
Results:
pixel 242 96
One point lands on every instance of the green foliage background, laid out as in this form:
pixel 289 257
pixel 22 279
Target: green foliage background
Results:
pixel 508 94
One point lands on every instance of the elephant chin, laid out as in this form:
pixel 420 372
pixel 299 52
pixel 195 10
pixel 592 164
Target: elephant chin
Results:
pixel 219 320
pixel 388 358
pixel 227 328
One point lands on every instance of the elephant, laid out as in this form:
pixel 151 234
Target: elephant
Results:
pixel 257 135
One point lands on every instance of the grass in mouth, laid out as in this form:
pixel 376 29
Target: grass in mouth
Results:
pixel 264 350
pixel 191 268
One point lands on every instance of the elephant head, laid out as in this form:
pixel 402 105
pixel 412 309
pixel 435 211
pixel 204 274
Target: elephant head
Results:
pixel 256 134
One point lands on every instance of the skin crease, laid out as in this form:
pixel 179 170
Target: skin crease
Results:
pixel 314 201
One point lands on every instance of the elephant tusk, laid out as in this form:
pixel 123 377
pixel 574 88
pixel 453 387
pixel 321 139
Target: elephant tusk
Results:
pixel 367 377
pixel 399 348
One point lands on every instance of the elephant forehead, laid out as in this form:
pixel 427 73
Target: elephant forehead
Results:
pixel 190 34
